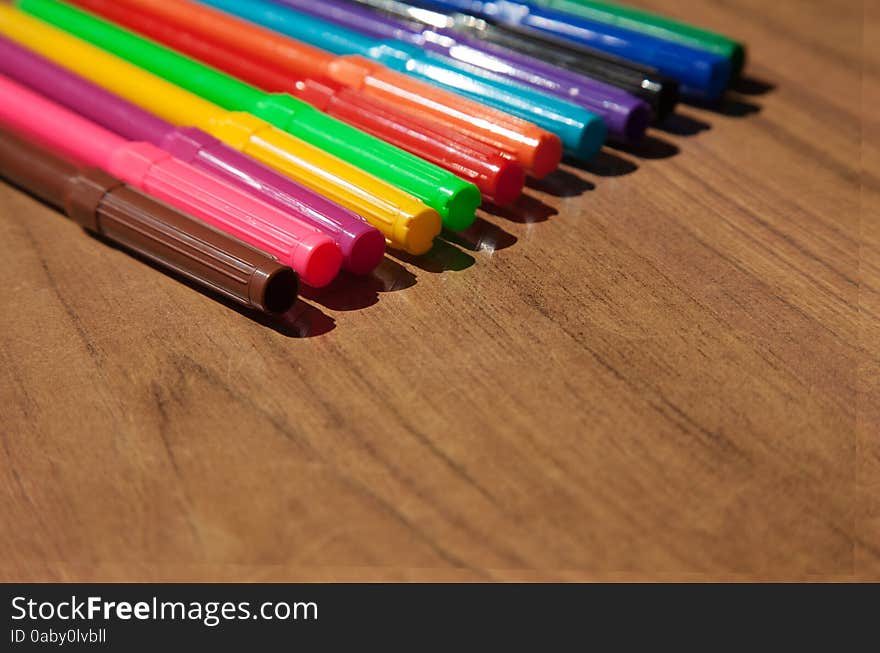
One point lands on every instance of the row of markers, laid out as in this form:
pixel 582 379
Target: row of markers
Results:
pixel 251 144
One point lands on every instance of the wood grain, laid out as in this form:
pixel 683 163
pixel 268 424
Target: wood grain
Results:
pixel 662 365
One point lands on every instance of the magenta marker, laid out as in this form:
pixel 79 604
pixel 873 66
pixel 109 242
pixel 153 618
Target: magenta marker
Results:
pixel 625 115
pixel 361 244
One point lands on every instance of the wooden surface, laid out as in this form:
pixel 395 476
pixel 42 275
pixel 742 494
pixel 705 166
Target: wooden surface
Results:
pixel 662 365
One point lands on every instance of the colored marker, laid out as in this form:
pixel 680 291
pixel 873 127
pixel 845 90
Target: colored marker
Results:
pixel 641 81
pixel 499 177
pixel 405 222
pixel 361 244
pixel 582 132
pixel 537 150
pixel 702 75
pixel 313 255
pixel 626 116
pixel 455 199
pixel 654 25
pixel 105 206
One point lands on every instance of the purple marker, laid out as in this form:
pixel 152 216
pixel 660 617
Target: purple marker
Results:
pixel 625 115
pixel 362 245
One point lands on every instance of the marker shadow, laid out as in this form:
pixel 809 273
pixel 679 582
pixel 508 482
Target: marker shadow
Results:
pixel 679 124
pixel 352 292
pixel 561 183
pixel 604 164
pixel 482 235
pixel 650 147
pixel 525 210
pixel 748 85
pixel 301 321
pixel 729 105
pixel 443 257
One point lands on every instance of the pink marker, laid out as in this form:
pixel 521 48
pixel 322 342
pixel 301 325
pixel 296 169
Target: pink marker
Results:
pixel 312 254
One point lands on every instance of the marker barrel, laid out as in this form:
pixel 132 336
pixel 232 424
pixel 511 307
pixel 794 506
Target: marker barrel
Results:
pixel 313 255
pixel 455 199
pixel 176 242
pixel 406 223
pixel 362 245
pixel 499 178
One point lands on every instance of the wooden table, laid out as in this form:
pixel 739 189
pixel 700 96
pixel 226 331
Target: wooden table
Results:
pixel 660 365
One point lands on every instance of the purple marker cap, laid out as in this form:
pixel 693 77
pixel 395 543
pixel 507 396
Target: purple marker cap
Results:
pixel 626 116
pixel 362 245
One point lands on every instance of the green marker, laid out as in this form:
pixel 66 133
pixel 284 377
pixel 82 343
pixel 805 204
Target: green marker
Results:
pixel 452 197
pixel 647 23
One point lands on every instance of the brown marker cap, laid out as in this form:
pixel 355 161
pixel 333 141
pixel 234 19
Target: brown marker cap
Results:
pixel 103 204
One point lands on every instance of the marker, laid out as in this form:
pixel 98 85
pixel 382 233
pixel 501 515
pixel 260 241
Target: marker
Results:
pixel 405 222
pixel 626 116
pixel 702 75
pixel 641 81
pixel 654 25
pixel 105 206
pixel 537 150
pixel 455 199
pixel 582 132
pixel 313 255
pixel 499 177
pixel 362 245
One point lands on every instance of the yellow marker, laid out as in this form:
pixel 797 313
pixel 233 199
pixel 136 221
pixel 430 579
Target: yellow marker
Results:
pixel 405 221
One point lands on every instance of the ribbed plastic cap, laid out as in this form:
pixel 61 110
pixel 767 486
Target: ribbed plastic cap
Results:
pixel 546 157
pixel 318 259
pixel 367 251
pixel 462 207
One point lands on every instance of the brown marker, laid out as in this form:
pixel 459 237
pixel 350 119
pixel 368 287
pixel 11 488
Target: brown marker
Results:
pixel 106 206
